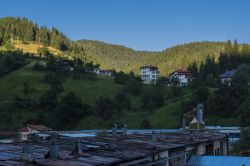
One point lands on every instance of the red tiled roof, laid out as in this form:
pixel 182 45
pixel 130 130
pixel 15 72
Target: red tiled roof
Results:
pixel 182 71
pixel 25 129
pixel 40 127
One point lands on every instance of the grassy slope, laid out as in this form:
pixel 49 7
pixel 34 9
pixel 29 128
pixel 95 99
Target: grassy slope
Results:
pixel 32 47
pixel 89 90
pixel 12 85
pixel 168 116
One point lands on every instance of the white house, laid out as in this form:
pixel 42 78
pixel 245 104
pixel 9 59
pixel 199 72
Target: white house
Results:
pixel 182 77
pixel 97 71
pixel 149 74
pixel 106 73
pixel 33 129
pixel 226 77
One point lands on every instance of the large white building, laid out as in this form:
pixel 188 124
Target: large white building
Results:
pixel 181 77
pixel 149 74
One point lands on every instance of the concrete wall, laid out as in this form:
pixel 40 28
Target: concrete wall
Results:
pixel 217 149
pixel 201 149
pixel 225 147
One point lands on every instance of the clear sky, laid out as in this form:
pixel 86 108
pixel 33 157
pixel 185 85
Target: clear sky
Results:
pixel 139 24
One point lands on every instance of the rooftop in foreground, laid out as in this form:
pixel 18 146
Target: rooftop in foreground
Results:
pixel 106 150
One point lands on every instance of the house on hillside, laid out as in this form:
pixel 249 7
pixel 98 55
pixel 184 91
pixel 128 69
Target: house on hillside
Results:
pixel 226 78
pixel 97 71
pixel 149 74
pixel 181 77
pixel 107 73
pixel 67 65
pixel 40 130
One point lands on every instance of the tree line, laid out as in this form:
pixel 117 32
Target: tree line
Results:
pixel 22 29
pixel 225 100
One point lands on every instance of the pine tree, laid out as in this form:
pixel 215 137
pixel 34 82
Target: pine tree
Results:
pixel 236 49
pixel 228 49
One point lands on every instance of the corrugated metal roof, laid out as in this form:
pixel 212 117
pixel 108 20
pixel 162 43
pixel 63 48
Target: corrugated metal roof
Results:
pixel 105 150
pixel 218 161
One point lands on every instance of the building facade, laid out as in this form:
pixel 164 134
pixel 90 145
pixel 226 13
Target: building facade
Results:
pixel 149 74
pixel 181 77
pixel 33 129
pixel 226 77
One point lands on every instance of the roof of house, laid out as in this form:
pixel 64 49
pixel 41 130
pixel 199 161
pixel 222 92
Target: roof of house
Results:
pixel 218 161
pixel 149 66
pixel 8 133
pixel 181 72
pixel 25 129
pixel 228 74
pixel 40 127
pixel 107 150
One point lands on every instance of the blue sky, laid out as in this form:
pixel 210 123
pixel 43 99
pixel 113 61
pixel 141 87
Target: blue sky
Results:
pixel 139 24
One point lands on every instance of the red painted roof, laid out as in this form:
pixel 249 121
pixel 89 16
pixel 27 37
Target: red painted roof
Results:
pixel 25 129
pixel 182 72
pixel 40 127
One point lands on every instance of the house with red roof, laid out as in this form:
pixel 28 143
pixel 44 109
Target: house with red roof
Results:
pixel 181 77
pixel 34 129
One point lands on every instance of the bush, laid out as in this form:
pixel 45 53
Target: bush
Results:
pixel 120 78
pixel 48 101
pixel 69 111
pixel 21 103
pixel 145 124
pixel 104 107
pixel 39 67
pixel 152 100
pixel 201 94
pixel 133 87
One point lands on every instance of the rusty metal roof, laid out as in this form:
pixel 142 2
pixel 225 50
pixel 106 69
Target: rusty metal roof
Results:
pixel 104 150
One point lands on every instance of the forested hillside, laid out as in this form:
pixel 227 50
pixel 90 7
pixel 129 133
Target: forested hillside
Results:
pixel 14 29
pixel 126 59
pixel 111 56
pixel 26 35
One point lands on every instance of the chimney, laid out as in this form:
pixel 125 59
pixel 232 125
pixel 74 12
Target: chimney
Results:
pixel 124 129
pixel 154 136
pixel 183 123
pixel 199 113
pixel 54 151
pixel 27 152
pixel 114 130
pixel 77 148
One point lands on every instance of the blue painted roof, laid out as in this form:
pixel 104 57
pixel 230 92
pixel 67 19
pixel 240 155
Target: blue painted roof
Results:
pixel 228 74
pixel 218 161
